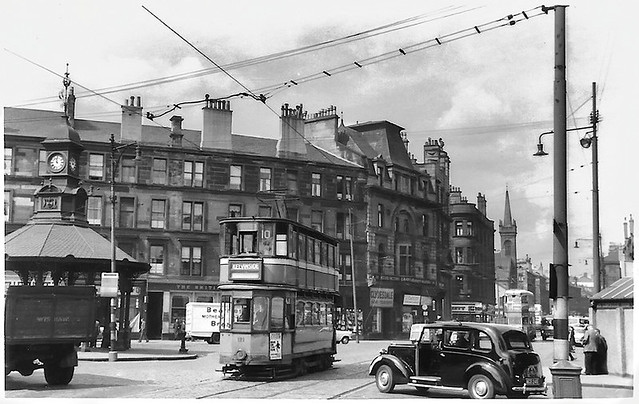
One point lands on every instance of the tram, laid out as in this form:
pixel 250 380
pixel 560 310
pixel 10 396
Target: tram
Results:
pixel 278 284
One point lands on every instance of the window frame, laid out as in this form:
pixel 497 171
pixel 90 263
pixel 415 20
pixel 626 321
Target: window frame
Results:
pixel 155 212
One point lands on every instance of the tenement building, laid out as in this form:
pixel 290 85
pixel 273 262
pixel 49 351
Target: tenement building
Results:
pixel 473 287
pixel 357 183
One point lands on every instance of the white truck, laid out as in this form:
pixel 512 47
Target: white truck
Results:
pixel 203 321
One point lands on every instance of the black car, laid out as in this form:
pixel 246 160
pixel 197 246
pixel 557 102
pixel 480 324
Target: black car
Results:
pixel 485 359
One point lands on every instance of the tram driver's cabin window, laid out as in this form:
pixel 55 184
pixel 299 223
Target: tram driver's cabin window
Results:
pixel 248 242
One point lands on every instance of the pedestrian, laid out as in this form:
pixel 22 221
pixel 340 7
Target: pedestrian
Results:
pixel 177 329
pixel 602 355
pixel 143 333
pixel 590 349
pixel 96 333
pixel 571 342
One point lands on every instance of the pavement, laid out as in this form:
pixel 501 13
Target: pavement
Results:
pixel 593 386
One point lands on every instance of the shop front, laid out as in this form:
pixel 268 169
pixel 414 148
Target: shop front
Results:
pixel 166 305
pixel 396 303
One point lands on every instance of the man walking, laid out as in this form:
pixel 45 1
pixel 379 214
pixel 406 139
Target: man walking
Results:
pixel 590 343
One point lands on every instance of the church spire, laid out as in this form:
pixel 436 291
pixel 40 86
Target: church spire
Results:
pixel 508 217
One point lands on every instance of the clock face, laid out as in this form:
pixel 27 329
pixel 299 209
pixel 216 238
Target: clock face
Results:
pixel 72 164
pixel 56 162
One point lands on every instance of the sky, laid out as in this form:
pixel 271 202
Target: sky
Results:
pixel 487 95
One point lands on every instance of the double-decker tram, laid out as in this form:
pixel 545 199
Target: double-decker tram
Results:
pixel 278 283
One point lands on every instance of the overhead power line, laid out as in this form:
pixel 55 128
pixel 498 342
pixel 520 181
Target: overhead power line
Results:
pixel 369 33
pixel 509 20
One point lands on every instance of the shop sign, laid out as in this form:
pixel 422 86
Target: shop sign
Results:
pixel 109 284
pixel 381 297
pixel 245 270
pixel 275 345
pixel 426 301
pixel 412 300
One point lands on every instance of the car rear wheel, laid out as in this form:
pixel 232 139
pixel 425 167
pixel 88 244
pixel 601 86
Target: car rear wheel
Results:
pixel 345 340
pixel 384 379
pixel 58 376
pixel 480 386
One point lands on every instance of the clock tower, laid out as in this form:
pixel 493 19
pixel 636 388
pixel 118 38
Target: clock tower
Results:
pixel 61 198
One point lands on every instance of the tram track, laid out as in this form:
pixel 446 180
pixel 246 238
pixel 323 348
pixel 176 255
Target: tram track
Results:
pixel 295 385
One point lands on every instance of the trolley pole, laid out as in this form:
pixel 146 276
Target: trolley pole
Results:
pixel 350 214
pixel 566 381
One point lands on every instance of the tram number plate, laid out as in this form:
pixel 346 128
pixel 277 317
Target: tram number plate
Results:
pixel 532 381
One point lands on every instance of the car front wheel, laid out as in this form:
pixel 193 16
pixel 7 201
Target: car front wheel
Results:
pixel 384 379
pixel 345 340
pixel 480 386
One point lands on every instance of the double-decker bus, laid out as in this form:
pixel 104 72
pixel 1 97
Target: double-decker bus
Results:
pixel 278 283
pixel 517 307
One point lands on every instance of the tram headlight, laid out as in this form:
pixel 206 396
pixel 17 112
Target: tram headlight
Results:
pixel 240 355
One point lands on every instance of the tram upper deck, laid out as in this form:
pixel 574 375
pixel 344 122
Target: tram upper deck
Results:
pixel 277 251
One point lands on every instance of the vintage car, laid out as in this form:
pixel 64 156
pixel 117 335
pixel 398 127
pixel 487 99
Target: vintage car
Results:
pixel 344 336
pixel 485 359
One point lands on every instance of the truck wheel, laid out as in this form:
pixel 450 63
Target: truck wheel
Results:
pixel 57 376
pixel 385 379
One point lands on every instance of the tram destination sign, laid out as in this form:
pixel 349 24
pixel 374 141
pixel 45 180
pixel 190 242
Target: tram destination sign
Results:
pixel 245 270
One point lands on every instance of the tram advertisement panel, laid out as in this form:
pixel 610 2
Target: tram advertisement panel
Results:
pixel 275 345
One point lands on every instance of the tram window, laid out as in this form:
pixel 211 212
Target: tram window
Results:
pixel 225 313
pixel 316 314
pixel 277 313
pixel 281 239
pixel 301 246
pixel 331 256
pixel 241 310
pixel 289 315
pixel 318 253
pixel 322 314
pixel 293 245
pixel 299 314
pixel 308 314
pixel 310 251
pixel 324 247
pixel 248 241
pixel 260 313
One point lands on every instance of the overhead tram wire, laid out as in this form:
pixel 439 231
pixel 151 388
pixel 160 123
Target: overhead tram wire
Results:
pixel 261 98
pixel 387 28
pixel 510 20
pixel 73 81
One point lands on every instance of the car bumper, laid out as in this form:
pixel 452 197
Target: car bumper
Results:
pixel 531 389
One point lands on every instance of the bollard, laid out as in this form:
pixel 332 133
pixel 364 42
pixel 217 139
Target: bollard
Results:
pixel 183 343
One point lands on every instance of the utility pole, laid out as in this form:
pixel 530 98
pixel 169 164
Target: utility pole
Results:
pixel 350 214
pixel 566 379
pixel 596 239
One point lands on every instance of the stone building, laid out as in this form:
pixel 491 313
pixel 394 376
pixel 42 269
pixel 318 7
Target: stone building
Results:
pixel 473 276
pixel 357 183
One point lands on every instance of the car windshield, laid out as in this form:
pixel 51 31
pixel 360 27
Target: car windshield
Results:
pixel 516 340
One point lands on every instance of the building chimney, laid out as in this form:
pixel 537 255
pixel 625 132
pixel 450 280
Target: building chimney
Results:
pixel 131 127
pixel 625 229
pixel 292 142
pixel 455 195
pixel 481 203
pixel 216 127
pixel 405 140
pixel 70 108
pixel 176 131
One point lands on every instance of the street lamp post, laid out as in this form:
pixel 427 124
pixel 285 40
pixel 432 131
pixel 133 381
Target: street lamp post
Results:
pixel 116 154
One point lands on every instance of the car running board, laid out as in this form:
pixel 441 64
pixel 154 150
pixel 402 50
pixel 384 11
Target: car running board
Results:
pixel 425 385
